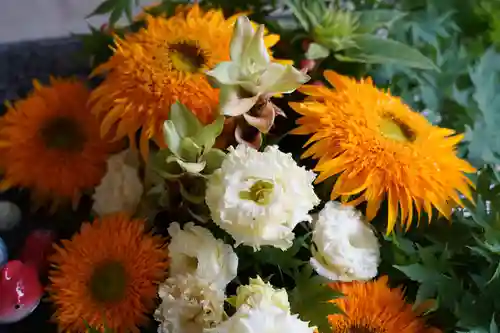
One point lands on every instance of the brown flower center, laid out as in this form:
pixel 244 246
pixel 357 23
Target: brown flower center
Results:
pixel 63 133
pixel 108 282
pixel 187 56
pixel 395 129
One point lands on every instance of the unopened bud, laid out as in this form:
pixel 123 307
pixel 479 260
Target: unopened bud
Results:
pixel 307 65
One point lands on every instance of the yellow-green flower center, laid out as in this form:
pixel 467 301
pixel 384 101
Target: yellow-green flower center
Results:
pixel 260 192
pixel 108 282
pixel 394 129
pixel 63 133
pixel 187 57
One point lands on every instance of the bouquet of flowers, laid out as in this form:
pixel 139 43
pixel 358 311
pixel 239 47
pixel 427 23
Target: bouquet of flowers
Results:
pixel 243 167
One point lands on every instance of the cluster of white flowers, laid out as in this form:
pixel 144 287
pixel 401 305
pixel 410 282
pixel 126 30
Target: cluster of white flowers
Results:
pixel 262 309
pixel 345 247
pixel 259 197
pixel 200 268
pixel 120 189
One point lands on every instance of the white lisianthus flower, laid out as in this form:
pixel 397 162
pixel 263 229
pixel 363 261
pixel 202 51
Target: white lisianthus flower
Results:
pixel 196 251
pixel 188 305
pixel 262 320
pixel 120 188
pixel 259 197
pixel 260 294
pixel 345 247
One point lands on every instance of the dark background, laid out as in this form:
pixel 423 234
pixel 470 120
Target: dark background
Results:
pixel 20 63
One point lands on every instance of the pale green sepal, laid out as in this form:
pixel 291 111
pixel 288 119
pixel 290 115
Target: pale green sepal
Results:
pixel 172 137
pixel 184 120
pixel 282 79
pixel 232 104
pixel 242 35
pixel 208 134
pixel 214 159
pixel 225 73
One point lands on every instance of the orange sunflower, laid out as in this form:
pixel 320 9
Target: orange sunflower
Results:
pixel 159 65
pixel 380 148
pixel 111 269
pixel 372 307
pixel 50 143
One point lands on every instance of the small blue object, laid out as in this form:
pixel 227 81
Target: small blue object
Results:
pixel 3 253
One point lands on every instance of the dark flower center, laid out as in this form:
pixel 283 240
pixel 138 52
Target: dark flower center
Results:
pixel 395 129
pixel 63 133
pixel 108 282
pixel 187 56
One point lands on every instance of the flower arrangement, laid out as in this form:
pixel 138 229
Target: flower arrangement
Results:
pixel 246 172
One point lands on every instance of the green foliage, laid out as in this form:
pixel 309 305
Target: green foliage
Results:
pixel 116 9
pixel 311 299
pixel 458 265
pixel 350 35
pixel 178 173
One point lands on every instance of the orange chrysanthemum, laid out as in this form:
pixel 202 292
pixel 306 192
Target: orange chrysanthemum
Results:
pixel 380 147
pixel 159 65
pixel 372 307
pixel 111 268
pixel 50 143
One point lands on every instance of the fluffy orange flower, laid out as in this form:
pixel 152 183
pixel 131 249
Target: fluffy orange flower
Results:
pixel 372 307
pixel 159 65
pixel 380 148
pixel 50 143
pixel 108 273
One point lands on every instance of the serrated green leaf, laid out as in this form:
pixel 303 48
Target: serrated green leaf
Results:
pixel 105 7
pixel 425 292
pixel 376 50
pixel 370 20
pixel 186 123
pixel 311 297
pixel 296 7
pixel 284 260
pixel 317 51
pixel 420 273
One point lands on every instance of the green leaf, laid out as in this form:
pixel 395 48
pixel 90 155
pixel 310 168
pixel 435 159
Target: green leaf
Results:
pixel 493 325
pixel 172 137
pixel 371 20
pixel 420 273
pixel 105 7
pixel 190 196
pixel 214 158
pixel 317 51
pixel 376 50
pixel 311 297
pixel 186 123
pixel 190 151
pixel 208 134
pixel 296 7
pixel 286 261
